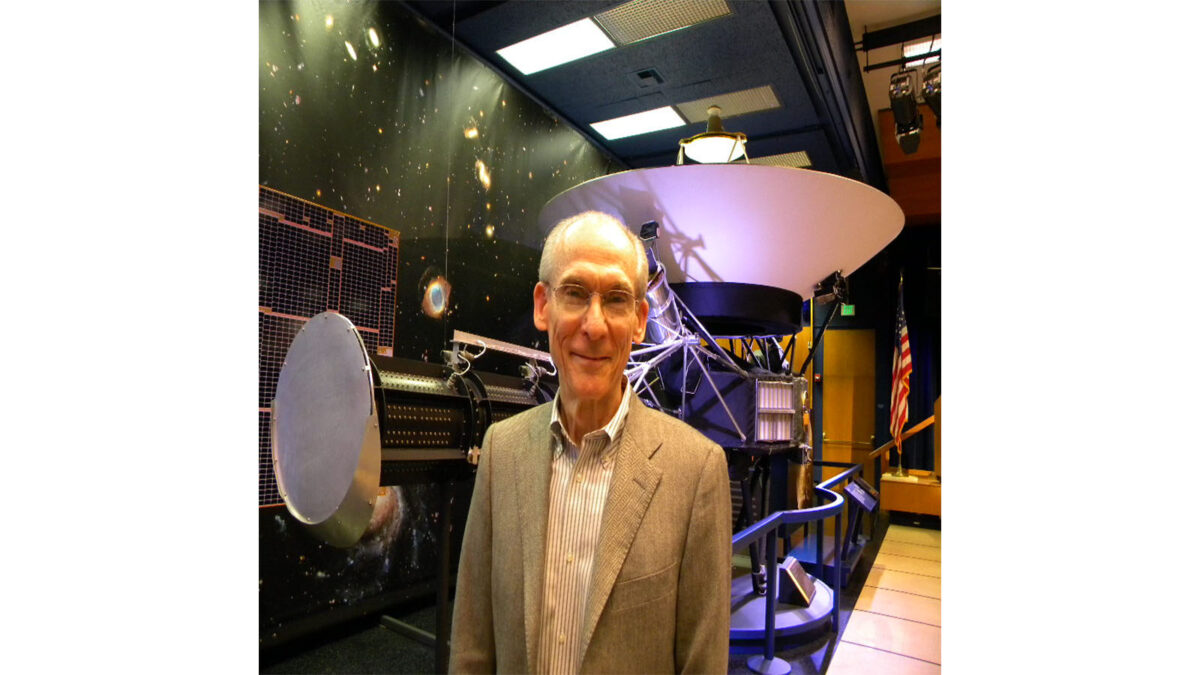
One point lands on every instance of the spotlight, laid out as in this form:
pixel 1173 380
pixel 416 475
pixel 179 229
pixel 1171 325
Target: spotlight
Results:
pixel 903 92
pixel 933 90
pixel 714 146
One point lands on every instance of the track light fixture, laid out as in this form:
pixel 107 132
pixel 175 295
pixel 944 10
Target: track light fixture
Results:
pixel 932 90
pixel 714 146
pixel 903 93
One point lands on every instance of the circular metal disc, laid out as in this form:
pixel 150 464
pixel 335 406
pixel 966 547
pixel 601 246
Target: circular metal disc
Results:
pixel 769 225
pixel 324 430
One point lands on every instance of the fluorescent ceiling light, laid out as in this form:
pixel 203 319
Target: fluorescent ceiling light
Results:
pixel 639 123
pixel 554 48
pixel 924 47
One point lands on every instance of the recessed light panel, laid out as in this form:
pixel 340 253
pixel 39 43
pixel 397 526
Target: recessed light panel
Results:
pixel 923 47
pixel 639 123
pixel 732 104
pixel 556 47
pixel 643 19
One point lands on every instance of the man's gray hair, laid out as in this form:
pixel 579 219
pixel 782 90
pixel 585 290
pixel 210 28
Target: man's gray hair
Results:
pixel 552 251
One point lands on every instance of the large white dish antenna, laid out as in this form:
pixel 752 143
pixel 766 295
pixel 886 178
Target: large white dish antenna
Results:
pixel 775 226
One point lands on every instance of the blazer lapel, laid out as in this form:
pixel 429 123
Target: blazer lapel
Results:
pixel 531 479
pixel 633 484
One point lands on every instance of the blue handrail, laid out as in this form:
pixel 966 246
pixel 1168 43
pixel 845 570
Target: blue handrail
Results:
pixel 841 477
pixel 794 517
pixel 768 527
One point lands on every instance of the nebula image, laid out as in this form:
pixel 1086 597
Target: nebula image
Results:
pixel 386 515
pixel 435 293
pixel 370 560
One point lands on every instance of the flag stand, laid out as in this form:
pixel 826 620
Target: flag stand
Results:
pixel 899 472
pixel 901 370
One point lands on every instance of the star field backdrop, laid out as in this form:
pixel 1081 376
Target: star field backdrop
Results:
pixel 401 181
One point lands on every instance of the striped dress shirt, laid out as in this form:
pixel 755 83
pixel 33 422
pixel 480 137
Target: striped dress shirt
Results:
pixel 579 481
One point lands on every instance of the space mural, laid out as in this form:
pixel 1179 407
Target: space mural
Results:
pixel 401 181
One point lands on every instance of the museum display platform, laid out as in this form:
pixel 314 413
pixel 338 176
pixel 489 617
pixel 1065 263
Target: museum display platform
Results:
pixel 806 553
pixel 749 612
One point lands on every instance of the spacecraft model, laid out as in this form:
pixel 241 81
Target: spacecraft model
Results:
pixel 733 249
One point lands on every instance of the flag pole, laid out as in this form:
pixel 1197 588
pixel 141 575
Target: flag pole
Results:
pixel 900 472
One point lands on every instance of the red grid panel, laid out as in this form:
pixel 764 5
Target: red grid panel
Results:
pixel 312 259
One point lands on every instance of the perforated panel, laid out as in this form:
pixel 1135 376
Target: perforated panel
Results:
pixel 799 160
pixel 642 19
pixel 732 104
pixel 313 259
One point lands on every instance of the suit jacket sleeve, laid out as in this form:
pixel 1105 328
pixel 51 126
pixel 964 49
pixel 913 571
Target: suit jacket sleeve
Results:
pixel 472 639
pixel 702 613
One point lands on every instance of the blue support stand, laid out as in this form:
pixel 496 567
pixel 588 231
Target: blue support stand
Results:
pixel 769 664
pixel 825 604
pixel 775 666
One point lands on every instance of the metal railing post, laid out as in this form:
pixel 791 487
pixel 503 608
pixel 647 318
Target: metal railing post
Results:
pixel 772 594
pixel 837 568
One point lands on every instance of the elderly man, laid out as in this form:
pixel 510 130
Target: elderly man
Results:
pixel 598 538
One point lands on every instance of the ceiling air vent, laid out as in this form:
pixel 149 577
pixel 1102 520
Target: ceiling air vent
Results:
pixel 646 78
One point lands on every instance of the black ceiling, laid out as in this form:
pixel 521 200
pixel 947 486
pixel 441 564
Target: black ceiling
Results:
pixel 803 50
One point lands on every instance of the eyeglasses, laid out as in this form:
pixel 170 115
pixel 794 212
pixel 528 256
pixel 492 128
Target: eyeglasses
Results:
pixel 575 299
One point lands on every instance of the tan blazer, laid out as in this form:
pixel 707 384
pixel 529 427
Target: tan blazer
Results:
pixel 660 596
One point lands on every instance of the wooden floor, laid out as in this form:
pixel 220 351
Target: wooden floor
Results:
pixel 896 626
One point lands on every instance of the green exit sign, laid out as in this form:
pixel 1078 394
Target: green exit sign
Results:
pixel 847 310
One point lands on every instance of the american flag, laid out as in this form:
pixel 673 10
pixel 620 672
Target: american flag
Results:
pixel 901 369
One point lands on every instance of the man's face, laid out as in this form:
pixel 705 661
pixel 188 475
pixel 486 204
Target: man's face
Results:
pixel 590 348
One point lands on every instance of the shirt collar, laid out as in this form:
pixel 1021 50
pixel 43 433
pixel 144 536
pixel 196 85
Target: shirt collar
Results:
pixel 611 430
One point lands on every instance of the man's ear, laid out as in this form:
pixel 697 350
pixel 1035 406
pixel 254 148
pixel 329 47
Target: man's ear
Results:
pixel 643 311
pixel 541 295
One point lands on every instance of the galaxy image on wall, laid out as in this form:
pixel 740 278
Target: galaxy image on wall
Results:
pixel 400 184
pixel 368 110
